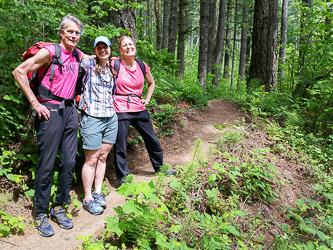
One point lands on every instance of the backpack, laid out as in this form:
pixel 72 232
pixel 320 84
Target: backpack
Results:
pixel 141 64
pixel 34 81
pixel 116 68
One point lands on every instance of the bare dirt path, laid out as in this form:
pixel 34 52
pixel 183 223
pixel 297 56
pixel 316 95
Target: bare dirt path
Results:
pixel 177 151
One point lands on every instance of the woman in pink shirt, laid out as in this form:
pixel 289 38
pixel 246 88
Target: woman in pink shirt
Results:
pixel 131 108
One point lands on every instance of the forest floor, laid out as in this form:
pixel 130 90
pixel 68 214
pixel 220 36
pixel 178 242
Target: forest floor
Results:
pixel 190 126
pixel 177 151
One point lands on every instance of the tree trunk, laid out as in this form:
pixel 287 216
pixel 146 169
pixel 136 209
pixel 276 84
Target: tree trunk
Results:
pixel 211 35
pixel 304 44
pixel 172 27
pixel 145 28
pixel 124 18
pixel 149 24
pixel 242 56
pixel 283 42
pixel 181 39
pixel 218 51
pixel 249 42
pixel 304 37
pixel 227 42
pixel 234 48
pixel 263 65
pixel 165 24
pixel 158 24
pixel 202 63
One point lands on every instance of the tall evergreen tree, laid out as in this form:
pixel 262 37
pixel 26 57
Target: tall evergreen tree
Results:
pixel 242 54
pixel 234 47
pixel 305 37
pixel 172 27
pixel 204 22
pixel 283 42
pixel 263 66
pixel 124 18
pixel 181 39
pixel 211 35
pixel 166 13
pixel 227 41
pixel 158 25
pixel 218 50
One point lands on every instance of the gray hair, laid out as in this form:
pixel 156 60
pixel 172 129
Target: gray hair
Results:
pixel 72 19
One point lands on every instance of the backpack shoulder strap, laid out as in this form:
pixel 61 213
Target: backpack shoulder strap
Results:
pixel 56 60
pixel 142 66
pixel 116 66
pixel 76 54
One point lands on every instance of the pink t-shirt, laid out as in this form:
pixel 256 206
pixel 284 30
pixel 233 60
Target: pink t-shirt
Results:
pixel 63 84
pixel 129 82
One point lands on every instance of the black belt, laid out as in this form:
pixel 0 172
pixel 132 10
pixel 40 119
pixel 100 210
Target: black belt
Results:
pixel 128 97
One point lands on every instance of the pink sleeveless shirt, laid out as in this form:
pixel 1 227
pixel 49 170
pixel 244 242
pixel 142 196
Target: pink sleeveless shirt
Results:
pixel 63 84
pixel 129 82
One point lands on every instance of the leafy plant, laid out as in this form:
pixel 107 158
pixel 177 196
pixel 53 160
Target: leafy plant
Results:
pixel 10 225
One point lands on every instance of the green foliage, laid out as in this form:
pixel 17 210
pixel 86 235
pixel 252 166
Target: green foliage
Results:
pixel 164 117
pixel 105 190
pixel 137 220
pixel 10 225
pixel 312 222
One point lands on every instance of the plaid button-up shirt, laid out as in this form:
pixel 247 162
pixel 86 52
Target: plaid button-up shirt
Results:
pixel 97 99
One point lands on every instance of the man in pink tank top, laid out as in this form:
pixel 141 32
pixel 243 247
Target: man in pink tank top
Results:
pixel 56 123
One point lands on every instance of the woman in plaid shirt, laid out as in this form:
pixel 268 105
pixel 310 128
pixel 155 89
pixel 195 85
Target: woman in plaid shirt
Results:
pixel 99 122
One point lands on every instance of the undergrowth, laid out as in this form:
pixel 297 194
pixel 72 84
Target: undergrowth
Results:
pixel 236 202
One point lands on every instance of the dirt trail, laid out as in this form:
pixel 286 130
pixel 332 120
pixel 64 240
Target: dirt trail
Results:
pixel 177 151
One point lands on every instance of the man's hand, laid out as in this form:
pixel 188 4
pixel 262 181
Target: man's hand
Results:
pixel 41 110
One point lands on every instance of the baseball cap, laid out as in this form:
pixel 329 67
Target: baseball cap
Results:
pixel 103 39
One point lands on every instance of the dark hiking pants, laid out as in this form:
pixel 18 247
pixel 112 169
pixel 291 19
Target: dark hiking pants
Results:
pixel 141 122
pixel 59 131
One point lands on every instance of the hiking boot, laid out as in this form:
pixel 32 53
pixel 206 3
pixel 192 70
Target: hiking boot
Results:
pixel 92 207
pixel 99 199
pixel 170 172
pixel 61 218
pixel 43 226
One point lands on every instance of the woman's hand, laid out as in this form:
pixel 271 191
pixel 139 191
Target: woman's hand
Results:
pixel 145 101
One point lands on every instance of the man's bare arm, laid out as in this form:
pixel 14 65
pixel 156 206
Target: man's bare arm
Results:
pixel 20 73
pixel 84 56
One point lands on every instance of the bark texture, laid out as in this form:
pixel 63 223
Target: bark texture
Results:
pixel 124 18
pixel 283 42
pixel 242 56
pixel 204 22
pixel 181 39
pixel 234 47
pixel 166 14
pixel 158 24
pixel 263 65
pixel 227 41
pixel 218 50
pixel 211 35
pixel 172 27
